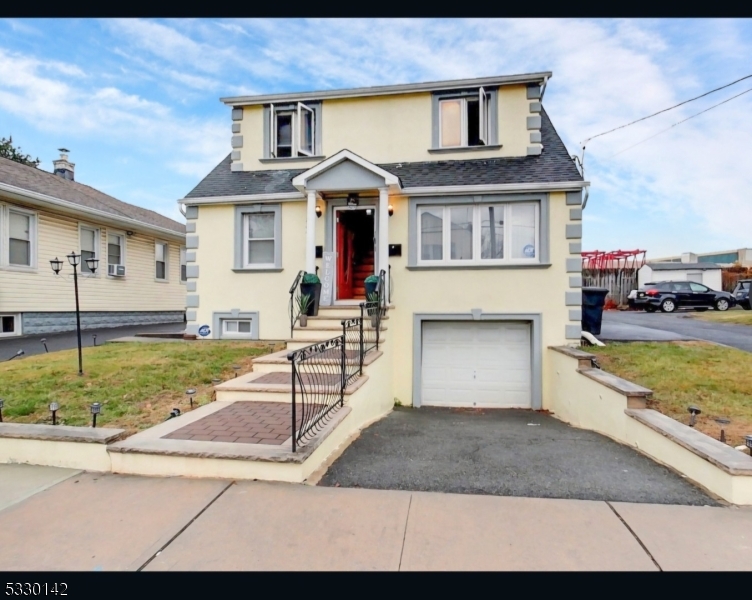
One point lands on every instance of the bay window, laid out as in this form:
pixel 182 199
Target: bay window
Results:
pixel 496 233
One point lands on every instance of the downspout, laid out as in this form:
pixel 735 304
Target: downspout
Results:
pixel 181 208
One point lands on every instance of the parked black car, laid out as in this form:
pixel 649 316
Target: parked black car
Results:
pixel 741 293
pixel 667 296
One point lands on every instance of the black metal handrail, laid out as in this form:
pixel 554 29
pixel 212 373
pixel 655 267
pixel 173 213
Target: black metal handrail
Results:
pixel 352 330
pixel 318 386
pixel 295 286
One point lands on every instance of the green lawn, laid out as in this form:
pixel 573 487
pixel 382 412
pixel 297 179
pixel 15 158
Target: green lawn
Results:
pixel 138 384
pixel 735 316
pixel 716 379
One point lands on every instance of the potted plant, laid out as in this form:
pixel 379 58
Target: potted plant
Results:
pixel 311 286
pixel 371 284
pixel 303 302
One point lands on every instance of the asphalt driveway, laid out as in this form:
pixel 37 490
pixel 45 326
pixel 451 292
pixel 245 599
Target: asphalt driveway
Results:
pixel 503 453
pixel 643 326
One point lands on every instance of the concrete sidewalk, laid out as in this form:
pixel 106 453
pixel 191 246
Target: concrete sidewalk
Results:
pixel 88 521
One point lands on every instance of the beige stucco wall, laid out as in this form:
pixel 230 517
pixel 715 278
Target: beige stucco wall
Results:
pixel 387 129
pixel 39 290
pixel 508 291
pixel 587 404
pixel 69 455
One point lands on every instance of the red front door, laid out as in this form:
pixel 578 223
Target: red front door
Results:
pixel 345 238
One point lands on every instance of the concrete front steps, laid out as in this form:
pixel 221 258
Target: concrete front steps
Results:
pixel 366 399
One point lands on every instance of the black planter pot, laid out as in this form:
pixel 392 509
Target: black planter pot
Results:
pixel 314 291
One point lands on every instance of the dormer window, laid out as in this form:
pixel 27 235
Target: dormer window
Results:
pixel 292 131
pixel 465 119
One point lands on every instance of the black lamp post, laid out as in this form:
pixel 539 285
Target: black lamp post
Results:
pixel 75 261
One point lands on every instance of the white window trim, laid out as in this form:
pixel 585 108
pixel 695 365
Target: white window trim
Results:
pixel 483 118
pixel 236 334
pixel 166 261
pixel 97 248
pixel 17 325
pixel 246 239
pixel 123 255
pixel 447 261
pixel 295 113
pixel 5 210
pixel 183 260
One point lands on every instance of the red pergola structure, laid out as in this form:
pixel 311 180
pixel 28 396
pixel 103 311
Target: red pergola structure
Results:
pixel 616 260
pixel 615 270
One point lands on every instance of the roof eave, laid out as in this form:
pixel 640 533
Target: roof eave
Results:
pixel 64 206
pixel 386 90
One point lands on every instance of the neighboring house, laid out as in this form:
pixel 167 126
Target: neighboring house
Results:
pixel 43 215
pixel 701 272
pixel 723 258
pixel 461 191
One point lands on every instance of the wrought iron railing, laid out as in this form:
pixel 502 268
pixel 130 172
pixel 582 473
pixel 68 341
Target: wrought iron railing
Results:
pixel 352 330
pixel 318 386
pixel 294 311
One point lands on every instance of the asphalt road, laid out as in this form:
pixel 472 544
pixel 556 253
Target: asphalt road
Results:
pixel 643 326
pixel 31 344
pixel 503 453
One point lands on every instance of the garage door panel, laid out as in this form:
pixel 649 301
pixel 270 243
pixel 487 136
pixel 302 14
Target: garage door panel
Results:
pixel 474 363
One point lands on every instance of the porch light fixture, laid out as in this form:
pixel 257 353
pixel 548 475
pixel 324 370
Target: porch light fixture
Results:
pixel 391 210
pixel 191 392
pixel 54 406
pixel 95 409
pixel 2 403
pixel 353 200
pixel 693 411
pixel 318 211
pixel 57 265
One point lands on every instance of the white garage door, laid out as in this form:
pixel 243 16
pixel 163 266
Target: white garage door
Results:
pixel 476 363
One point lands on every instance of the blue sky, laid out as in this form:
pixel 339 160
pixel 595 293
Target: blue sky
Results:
pixel 137 102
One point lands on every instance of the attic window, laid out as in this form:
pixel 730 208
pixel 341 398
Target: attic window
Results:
pixel 292 131
pixel 464 121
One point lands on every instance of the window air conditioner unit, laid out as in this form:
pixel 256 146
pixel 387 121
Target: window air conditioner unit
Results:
pixel 116 270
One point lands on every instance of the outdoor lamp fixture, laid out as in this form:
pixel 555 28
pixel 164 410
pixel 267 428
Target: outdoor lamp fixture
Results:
pixel 95 408
pixel 693 411
pixel 353 200
pixel 16 355
pixel 216 381
pixel 190 392
pixel 2 403
pixel 391 210
pixel 747 438
pixel 175 412
pixel 236 368
pixel 722 422
pixel 318 211
pixel 94 335
pixel 44 343
pixel 75 261
pixel 54 406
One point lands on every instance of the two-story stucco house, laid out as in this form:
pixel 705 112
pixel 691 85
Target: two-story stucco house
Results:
pixel 140 276
pixel 461 192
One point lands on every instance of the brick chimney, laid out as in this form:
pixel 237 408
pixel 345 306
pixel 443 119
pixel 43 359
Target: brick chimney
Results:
pixel 63 167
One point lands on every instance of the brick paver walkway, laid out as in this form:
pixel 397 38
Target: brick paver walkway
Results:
pixel 244 423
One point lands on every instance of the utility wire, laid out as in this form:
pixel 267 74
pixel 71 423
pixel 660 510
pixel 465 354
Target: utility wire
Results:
pixel 680 122
pixel 666 109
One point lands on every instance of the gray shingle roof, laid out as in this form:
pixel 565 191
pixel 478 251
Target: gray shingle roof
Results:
pixel 679 266
pixel 44 182
pixel 553 165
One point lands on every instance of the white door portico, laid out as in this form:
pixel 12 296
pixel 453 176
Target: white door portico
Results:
pixel 339 175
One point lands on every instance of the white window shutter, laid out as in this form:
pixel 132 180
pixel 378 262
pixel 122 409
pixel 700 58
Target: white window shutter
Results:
pixel 483 110
pixel 306 146
pixel 272 132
